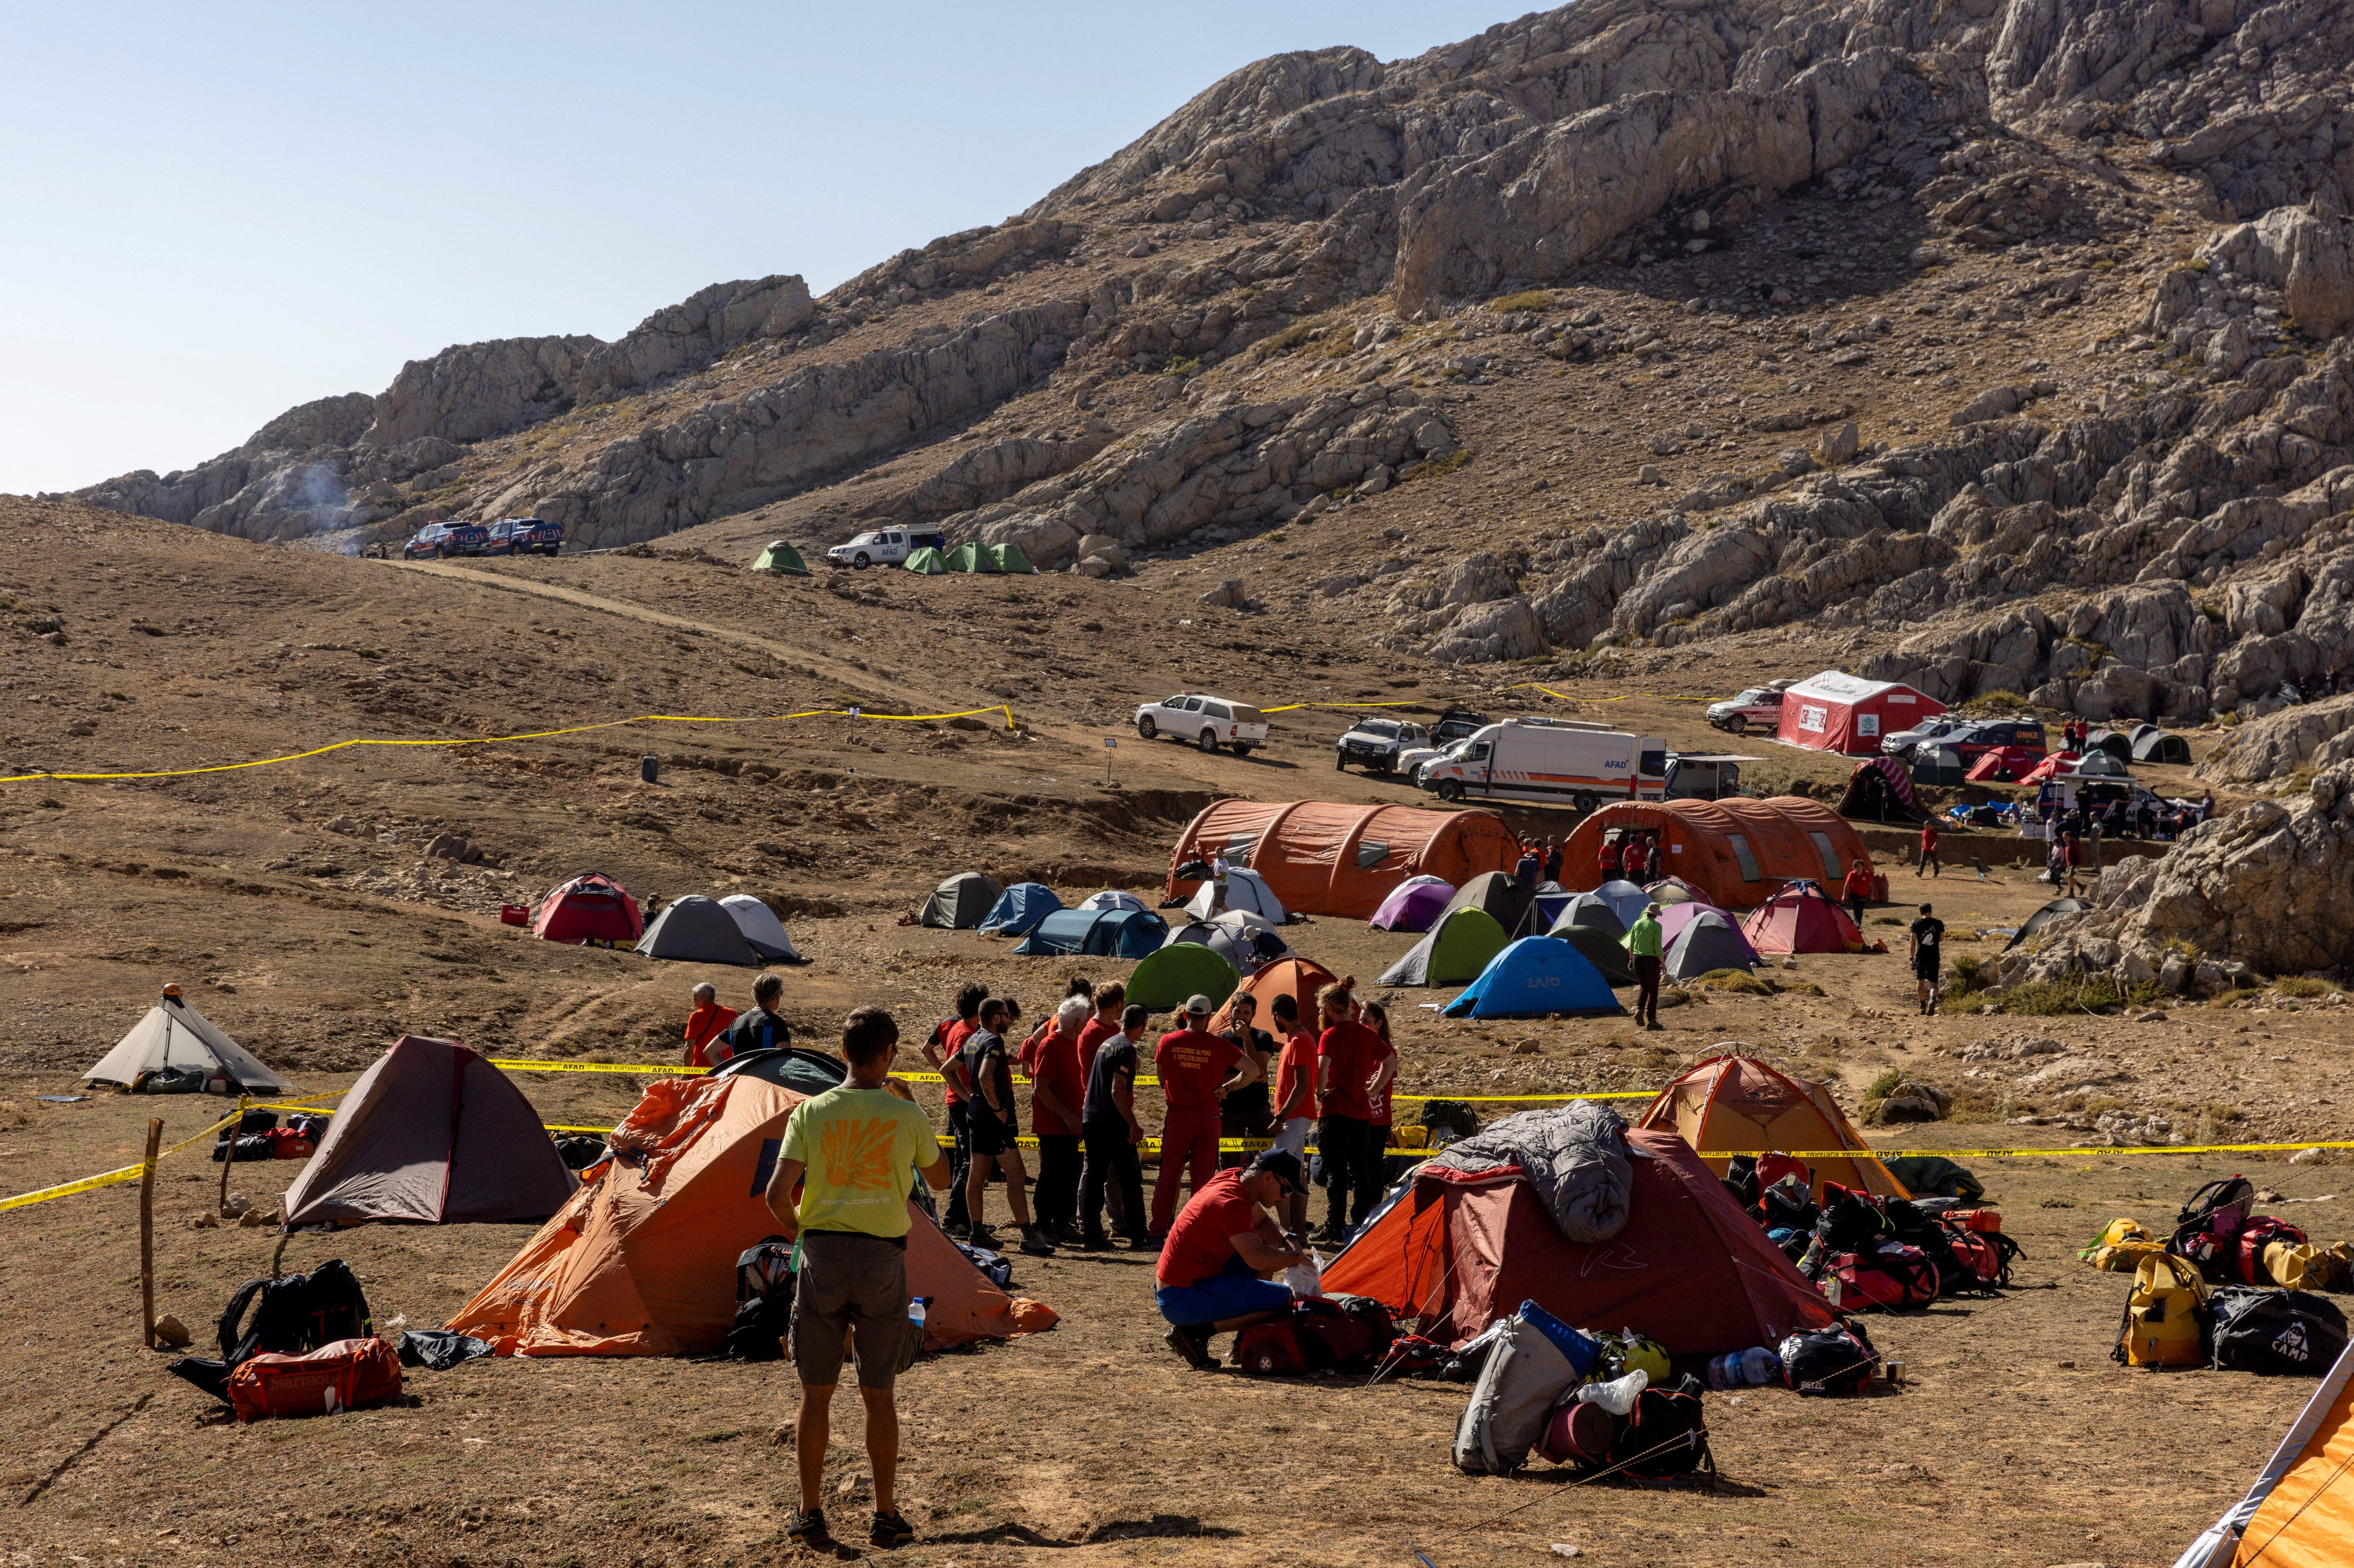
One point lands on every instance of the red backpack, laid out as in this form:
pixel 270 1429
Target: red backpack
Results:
pixel 346 1374
pixel 2255 1234
pixel 1320 1334
pixel 1892 1277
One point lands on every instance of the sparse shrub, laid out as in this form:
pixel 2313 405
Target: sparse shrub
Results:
pixel 1180 367
pixel 1439 466
pixel 1528 300
pixel 2055 1202
pixel 1739 981
pixel 2077 993
pixel 2000 701
pixel 1968 975
pixel 1884 1084
pixel 2304 986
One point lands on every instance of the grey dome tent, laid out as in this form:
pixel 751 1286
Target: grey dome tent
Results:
pixel 2115 742
pixel 2044 917
pixel 697 930
pixel 1497 894
pixel 2101 763
pixel 1591 912
pixel 1709 941
pixel 1934 763
pixel 1604 951
pixel 175 1035
pixel 431 1134
pixel 961 902
pixel 1217 938
pixel 2151 743
pixel 761 927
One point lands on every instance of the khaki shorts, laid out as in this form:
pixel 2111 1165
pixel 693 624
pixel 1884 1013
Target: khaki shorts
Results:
pixel 857 1286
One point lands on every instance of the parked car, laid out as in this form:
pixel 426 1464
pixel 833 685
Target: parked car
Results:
pixel 882 547
pixel 1974 739
pixel 1208 722
pixel 1696 777
pixel 1559 760
pixel 524 537
pixel 1377 743
pixel 1904 741
pixel 439 540
pixel 1759 707
pixel 1454 725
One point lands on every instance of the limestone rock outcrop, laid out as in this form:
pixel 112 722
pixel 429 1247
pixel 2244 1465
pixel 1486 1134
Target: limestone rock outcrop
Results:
pixel 2315 734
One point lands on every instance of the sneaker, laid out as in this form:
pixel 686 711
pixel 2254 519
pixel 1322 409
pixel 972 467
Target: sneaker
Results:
pixel 1035 1243
pixel 809 1528
pixel 890 1532
pixel 1192 1346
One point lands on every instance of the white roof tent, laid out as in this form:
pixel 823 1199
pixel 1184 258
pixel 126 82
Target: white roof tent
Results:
pixel 1841 687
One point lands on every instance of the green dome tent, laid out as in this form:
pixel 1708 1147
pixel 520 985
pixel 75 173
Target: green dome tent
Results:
pixel 927 562
pixel 1182 970
pixel 1010 559
pixel 781 557
pixel 970 558
pixel 1454 950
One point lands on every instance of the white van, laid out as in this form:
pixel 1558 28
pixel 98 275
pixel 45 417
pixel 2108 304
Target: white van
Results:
pixel 1559 760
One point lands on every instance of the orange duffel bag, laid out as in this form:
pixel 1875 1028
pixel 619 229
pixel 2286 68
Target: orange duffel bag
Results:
pixel 345 1374
pixel 1978 1220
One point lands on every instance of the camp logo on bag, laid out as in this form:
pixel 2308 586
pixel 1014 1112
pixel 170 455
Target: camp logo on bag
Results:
pixel 1271 1349
pixel 2277 1331
pixel 2162 1325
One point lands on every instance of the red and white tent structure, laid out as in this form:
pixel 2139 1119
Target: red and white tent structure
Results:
pixel 1838 712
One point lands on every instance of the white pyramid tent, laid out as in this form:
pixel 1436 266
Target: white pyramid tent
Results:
pixel 760 926
pixel 175 1034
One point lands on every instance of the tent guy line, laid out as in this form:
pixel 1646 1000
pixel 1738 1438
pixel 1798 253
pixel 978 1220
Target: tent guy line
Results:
pixel 534 735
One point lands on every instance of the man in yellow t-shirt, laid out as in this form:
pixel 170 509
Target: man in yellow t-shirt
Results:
pixel 852 1151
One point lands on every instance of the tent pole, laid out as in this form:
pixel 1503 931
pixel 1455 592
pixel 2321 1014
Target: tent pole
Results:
pixel 147 1232
pixel 228 1157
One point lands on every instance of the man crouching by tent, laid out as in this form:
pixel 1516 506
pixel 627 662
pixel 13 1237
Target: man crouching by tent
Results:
pixel 852 1151
pixel 1214 1266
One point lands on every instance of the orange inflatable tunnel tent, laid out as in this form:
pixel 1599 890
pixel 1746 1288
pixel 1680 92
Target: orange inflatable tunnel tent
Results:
pixel 1736 854
pixel 642 1262
pixel 1729 1104
pixel 1459 1249
pixel 1318 858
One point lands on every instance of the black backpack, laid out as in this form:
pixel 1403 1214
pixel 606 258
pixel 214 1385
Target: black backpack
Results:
pixel 1837 1360
pixel 1665 1435
pixel 1910 1225
pixel 764 1301
pixel 2294 1332
pixel 1741 1180
pixel 293 1314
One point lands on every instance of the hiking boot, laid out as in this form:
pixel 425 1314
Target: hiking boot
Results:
pixel 1193 1346
pixel 1035 1242
pixel 980 1236
pixel 890 1532
pixel 1093 1243
pixel 1144 1243
pixel 809 1528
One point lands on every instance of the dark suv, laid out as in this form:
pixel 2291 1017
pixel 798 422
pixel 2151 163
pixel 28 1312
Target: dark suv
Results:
pixel 437 540
pixel 524 537
pixel 1973 741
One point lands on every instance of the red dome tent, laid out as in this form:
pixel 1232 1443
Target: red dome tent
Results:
pixel 1318 858
pixel 1838 712
pixel 1801 919
pixel 1734 853
pixel 2011 765
pixel 591 907
pixel 1461 1249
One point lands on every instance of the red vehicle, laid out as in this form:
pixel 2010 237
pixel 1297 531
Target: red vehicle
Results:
pixel 439 540
pixel 524 537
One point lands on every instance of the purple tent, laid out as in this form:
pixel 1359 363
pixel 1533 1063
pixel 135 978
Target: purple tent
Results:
pixel 1413 905
pixel 1674 917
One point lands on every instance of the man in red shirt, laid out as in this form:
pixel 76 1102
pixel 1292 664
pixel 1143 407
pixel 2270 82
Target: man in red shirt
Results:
pixel 941 1051
pixel 1192 1064
pixel 1111 1000
pixel 1211 1277
pixel 1056 1088
pixel 1351 1059
pixel 1929 850
pixel 704 1024
pixel 1295 1099
pixel 1858 889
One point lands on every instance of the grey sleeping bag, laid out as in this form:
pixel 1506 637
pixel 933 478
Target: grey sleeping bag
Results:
pixel 1575 1156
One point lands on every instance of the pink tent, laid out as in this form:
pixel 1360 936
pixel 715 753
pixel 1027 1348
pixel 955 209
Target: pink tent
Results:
pixel 1413 905
pixel 1674 917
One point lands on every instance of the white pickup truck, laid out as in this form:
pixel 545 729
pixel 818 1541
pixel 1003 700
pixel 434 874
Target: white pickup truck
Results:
pixel 1208 722
pixel 883 547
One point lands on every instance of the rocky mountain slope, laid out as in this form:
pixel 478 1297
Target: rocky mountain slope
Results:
pixel 2010 334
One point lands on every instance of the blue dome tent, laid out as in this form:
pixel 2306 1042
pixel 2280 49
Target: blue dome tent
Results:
pixel 1096 933
pixel 1534 976
pixel 1020 907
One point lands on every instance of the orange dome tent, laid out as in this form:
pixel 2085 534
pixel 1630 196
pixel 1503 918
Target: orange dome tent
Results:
pixel 1303 978
pixel 1729 1104
pixel 1318 858
pixel 1736 854
pixel 642 1262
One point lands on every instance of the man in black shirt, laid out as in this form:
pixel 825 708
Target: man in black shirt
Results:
pixel 1107 1125
pixel 992 1114
pixel 1927 949
pixel 1247 1112
pixel 758 1030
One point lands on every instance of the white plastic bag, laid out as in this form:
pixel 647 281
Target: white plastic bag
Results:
pixel 1303 1279
pixel 1617 1396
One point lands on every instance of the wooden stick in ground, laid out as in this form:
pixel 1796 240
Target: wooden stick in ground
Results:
pixel 147 1232
pixel 228 1155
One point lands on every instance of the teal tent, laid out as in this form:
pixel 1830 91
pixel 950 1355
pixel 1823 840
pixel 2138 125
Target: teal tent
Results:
pixel 1097 933
pixel 1165 979
pixel 1019 909
pixel 1536 976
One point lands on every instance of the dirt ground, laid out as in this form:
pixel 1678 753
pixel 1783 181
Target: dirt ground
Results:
pixel 300 907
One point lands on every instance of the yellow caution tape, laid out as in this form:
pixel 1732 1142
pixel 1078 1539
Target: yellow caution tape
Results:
pixel 532 735
pixel 655 1069
pixel 1622 696
pixel 1143 1080
pixel 88 1184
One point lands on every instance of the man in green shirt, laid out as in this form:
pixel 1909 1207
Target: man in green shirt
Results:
pixel 1643 946
pixel 852 1151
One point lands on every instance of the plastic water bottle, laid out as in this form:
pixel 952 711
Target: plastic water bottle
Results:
pixel 1724 1371
pixel 1760 1365
pixel 916 1311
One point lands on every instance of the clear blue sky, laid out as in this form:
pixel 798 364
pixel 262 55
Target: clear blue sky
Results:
pixel 216 212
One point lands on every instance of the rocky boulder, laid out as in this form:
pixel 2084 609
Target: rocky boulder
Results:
pixel 480 390
pixel 2312 735
pixel 693 331
pixel 2303 251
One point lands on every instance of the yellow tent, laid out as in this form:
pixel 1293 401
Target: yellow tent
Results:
pixel 2300 1512
pixel 1727 1103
